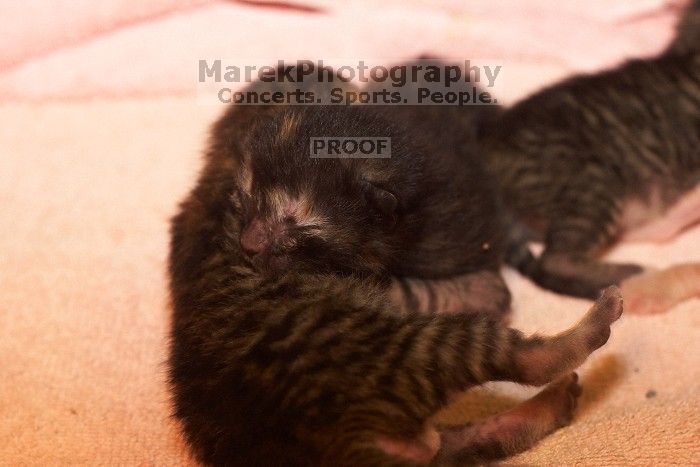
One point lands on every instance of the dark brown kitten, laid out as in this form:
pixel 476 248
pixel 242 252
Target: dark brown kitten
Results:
pixel 453 202
pixel 590 158
pixel 298 356
pixel 418 213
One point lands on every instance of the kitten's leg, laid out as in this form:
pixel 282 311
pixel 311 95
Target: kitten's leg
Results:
pixel 657 291
pixel 580 275
pixel 539 360
pixel 584 222
pixel 457 351
pixel 479 292
pixel 449 353
pixel 568 264
pixel 496 437
pixel 404 368
pixel 513 431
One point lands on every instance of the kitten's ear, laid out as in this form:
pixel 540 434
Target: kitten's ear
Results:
pixel 384 203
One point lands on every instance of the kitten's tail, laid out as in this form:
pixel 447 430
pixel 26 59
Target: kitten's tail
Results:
pixel 687 31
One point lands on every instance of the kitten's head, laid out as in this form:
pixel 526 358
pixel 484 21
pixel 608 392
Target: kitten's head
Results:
pixel 332 214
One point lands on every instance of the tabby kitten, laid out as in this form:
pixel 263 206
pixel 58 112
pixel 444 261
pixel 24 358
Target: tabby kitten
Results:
pixel 588 159
pixel 446 188
pixel 285 347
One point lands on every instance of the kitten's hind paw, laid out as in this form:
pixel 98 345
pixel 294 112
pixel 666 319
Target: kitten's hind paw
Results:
pixel 560 399
pixel 657 291
pixel 605 311
pixel 512 431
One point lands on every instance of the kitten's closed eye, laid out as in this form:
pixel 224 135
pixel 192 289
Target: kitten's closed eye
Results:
pixel 384 203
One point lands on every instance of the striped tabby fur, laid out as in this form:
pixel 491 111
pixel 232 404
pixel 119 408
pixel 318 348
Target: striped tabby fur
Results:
pixel 583 160
pixel 314 364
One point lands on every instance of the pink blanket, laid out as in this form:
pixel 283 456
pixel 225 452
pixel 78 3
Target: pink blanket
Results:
pixel 69 49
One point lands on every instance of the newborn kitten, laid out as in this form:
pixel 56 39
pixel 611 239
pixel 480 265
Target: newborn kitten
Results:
pixel 285 348
pixel 588 159
pixel 456 266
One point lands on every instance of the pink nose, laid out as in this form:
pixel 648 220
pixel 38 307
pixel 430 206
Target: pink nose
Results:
pixel 254 238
